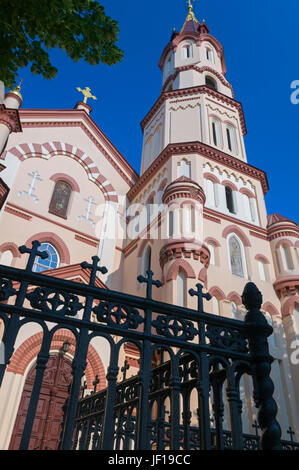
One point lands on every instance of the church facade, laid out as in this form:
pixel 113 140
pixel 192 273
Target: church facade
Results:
pixel 196 213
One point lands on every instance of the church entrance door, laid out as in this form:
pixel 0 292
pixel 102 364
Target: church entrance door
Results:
pixel 47 423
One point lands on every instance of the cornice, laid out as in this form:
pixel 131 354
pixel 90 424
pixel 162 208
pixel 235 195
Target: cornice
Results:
pixel 286 286
pixel 202 89
pixel 204 68
pixel 206 151
pixel 10 117
pixel 68 118
pixel 258 230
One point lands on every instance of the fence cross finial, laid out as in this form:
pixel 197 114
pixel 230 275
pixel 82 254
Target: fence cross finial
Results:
pixel 124 369
pixel 200 296
pixel 33 253
pixel 150 283
pixel 94 269
pixel 95 383
pixel 256 427
pixel 291 433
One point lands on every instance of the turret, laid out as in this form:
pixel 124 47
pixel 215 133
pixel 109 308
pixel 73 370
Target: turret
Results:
pixel 9 116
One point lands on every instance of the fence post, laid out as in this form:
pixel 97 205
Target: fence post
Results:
pixel 257 331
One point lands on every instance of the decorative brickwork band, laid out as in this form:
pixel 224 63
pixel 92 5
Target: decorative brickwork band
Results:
pixel 257 331
pixel 48 149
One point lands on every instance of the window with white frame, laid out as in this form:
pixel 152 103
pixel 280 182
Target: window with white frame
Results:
pixel 181 288
pixel 231 138
pixel 236 256
pixel 170 223
pixel 147 152
pixel 287 256
pixel 158 141
pixel 216 132
pixel 230 200
pixel 187 220
pixel 212 250
pixel 147 258
pixel 247 207
pixel 215 306
pixel 51 262
pixel 211 192
pixel 187 51
pixel 235 311
pixel 210 55
pixel 211 83
pixel 262 270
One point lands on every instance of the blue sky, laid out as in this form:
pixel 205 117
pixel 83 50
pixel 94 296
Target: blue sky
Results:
pixel 261 46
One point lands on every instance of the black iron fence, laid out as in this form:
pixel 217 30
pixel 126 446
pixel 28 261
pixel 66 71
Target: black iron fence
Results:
pixel 205 357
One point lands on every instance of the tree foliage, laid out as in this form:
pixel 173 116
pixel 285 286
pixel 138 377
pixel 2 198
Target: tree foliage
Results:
pixel 28 28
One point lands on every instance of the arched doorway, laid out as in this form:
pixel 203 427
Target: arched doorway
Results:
pixel 47 423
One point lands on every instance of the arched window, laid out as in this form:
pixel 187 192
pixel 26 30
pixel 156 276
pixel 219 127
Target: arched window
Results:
pixel 271 338
pixel 187 220
pixel 210 54
pixel 181 287
pixel 231 138
pixel 60 199
pixel 234 311
pixel 184 168
pixel 211 193
pixel 147 259
pixel 230 203
pixel 236 256
pixel 247 207
pixel 211 83
pixel 51 262
pixel 148 152
pixel 216 133
pixel 262 270
pixel 167 66
pixel 215 306
pixel 212 250
pixel 6 257
pixel 187 51
pixel 170 223
pixel 288 257
pixel 158 141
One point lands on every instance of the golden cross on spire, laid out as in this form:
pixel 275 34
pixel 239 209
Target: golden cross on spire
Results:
pixel 191 15
pixel 86 94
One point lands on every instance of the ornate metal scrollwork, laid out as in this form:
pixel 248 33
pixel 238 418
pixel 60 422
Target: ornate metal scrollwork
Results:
pixel 171 327
pixel 6 289
pixel 226 338
pixel 51 301
pixel 114 314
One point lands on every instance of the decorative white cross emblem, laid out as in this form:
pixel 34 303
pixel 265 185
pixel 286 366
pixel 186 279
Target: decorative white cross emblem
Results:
pixel 90 202
pixel 35 177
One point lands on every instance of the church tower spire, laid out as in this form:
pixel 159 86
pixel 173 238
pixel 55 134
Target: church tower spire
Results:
pixel 191 22
pixel 194 73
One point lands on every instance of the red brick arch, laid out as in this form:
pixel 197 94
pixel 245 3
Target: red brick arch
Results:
pixel 51 237
pixel 49 149
pixel 215 291
pixel 30 348
pixel 176 266
pixel 12 247
pixel 235 229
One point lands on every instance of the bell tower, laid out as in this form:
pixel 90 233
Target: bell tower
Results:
pixel 196 103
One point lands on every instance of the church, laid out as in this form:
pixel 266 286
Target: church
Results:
pixel 196 213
